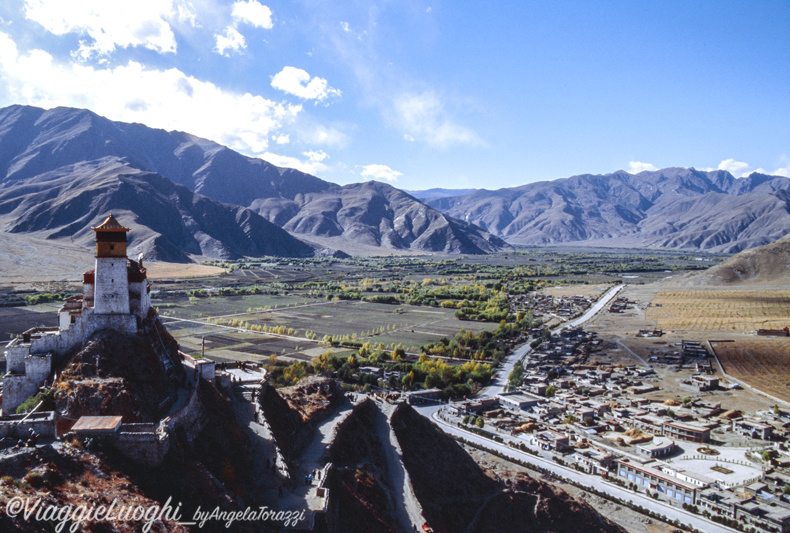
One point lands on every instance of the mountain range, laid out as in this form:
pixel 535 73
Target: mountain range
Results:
pixel 63 169
pixel 681 208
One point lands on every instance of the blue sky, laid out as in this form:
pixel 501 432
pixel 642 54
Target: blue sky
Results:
pixel 453 94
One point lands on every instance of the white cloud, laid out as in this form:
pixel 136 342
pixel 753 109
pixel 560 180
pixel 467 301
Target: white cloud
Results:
pixel 782 172
pixel 739 169
pixel 230 41
pixel 313 132
pixel 380 172
pixel 167 99
pixel 282 139
pixel 424 117
pixel 109 25
pixel 407 137
pixel 635 167
pixel 185 12
pixel 317 156
pixel 297 82
pixel 253 13
pixel 345 26
pixel 310 166
pixel 250 12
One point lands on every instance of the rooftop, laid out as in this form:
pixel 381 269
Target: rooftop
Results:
pixel 97 424
pixel 110 224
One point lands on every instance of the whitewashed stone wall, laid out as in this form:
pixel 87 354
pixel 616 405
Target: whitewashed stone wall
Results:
pixel 111 293
pixel 30 363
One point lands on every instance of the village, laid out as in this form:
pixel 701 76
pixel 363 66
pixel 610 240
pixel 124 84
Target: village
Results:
pixel 728 466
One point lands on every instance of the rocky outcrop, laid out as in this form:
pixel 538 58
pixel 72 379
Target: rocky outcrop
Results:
pixel 359 484
pixel 76 478
pixel 531 506
pixel 119 374
pixel 457 495
pixel 446 480
pixel 314 398
pixel 293 412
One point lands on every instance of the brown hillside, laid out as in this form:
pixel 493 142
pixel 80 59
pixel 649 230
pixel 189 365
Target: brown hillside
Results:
pixel 765 265
pixel 72 477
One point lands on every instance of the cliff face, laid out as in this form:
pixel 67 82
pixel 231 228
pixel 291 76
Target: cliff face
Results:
pixel 456 495
pixel 293 412
pixel 359 482
pixel 450 486
pixel 535 507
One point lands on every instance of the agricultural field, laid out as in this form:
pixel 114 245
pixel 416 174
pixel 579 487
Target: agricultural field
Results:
pixel 763 363
pixel 253 309
pixel 14 320
pixel 720 310
pixel 589 291
pixel 411 326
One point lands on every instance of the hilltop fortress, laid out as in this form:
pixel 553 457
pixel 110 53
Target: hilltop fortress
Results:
pixel 115 295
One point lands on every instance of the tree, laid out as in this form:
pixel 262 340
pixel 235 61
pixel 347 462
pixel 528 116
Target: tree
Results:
pixel 466 419
pixel 399 352
pixel 551 390
pixel 479 422
pixel 408 380
pixel 516 376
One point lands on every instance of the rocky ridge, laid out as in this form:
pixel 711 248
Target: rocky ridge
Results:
pixel 41 145
pixel 681 208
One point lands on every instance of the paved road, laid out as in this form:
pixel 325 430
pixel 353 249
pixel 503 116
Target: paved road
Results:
pixel 499 380
pixel 585 480
pixel 592 311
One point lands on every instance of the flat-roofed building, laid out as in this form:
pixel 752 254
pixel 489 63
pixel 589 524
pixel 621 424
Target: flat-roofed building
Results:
pixel 753 429
pixel 686 431
pixel 773 517
pixel 658 447
pixel 551 440
pixel 705 383
pixel 647 476
pixel 594 461
pixel 519 401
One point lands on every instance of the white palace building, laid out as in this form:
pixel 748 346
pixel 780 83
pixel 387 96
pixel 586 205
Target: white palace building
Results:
pixel 115 295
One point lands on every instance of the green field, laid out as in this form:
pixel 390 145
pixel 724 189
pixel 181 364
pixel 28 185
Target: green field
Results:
pixel 411 326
